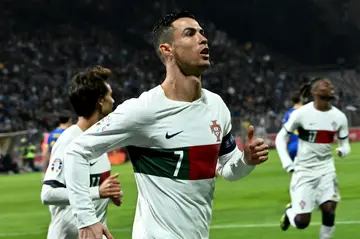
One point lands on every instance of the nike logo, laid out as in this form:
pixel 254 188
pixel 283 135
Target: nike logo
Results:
pixel 169 136
pixel 92 164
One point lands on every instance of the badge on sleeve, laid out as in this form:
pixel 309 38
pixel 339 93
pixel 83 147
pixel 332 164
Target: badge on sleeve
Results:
pixel 56 165
pixel 103 124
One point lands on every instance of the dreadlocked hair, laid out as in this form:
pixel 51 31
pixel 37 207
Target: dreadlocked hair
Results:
pixel 305 90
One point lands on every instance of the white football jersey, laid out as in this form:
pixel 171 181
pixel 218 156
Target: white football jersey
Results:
pixel 316 132
pixel 63 224
pixel 175 148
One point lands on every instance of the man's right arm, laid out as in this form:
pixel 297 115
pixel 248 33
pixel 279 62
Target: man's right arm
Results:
pixel 125 126
pixel 281 141
pixel 54 195
pixel 53 191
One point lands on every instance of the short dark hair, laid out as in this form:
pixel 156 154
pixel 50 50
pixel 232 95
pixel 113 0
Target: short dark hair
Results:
pixel 296 97
pixel 64 117
pixel 87 88
pixel 162 31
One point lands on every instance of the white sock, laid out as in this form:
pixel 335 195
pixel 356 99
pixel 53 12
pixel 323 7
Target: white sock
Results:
pixel 291 215
pixel 326 232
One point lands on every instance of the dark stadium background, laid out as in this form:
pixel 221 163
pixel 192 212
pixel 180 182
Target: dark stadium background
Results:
pixel 261 51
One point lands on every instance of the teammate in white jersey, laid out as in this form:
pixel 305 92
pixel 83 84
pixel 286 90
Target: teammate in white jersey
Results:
pixel 314 180
pixel 91 98
pixel 177 136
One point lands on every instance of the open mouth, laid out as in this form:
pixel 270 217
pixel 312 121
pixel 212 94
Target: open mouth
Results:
pixel 205 51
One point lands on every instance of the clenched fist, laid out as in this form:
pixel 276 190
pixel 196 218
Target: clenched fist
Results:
pixel 110 188
pixel 256 151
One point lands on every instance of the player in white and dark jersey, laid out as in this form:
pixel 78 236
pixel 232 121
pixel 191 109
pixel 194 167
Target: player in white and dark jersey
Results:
pixel 314 180
pixel 91 98
pixel 177 135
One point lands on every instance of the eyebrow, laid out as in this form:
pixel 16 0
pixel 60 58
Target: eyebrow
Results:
pixel 194 29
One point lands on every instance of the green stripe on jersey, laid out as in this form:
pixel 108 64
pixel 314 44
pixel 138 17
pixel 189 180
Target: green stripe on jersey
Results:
pixel 188 163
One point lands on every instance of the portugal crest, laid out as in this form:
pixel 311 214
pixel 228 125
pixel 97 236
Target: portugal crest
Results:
pixel 216 130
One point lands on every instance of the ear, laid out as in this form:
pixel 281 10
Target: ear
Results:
pixel 100 101
pixel 165 49
pixel 314 91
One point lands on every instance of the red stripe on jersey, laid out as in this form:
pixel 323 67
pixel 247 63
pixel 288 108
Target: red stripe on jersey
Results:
pixel 324 136
pixel 203 160
pixel 104 176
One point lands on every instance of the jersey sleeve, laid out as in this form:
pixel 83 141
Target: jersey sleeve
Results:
pixel 228 143
pixel 54 175
pixel 127 125
pixel 54 190
pixel 231 164
pixel 343 132
pixel 293 122
pixel 343 138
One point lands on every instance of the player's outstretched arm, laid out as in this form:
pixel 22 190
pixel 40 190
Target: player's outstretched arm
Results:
pixel 121 128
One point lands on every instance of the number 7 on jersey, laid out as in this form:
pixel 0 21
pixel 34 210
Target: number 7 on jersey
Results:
pixel 178 165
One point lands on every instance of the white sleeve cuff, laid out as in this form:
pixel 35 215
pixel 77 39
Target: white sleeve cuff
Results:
pixel 233 166
pixel 95 193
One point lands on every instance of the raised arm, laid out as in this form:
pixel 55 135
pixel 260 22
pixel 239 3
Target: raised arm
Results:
pixel 234 164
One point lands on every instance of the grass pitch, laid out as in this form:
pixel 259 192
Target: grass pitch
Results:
pixel 249 208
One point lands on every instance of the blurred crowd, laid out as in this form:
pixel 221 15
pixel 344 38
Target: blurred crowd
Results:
pixel 36 66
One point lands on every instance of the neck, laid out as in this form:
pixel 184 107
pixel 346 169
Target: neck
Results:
pixel 321 105
pixel 180 87
pixel 62 126
pixel 84 123
pixel 297 106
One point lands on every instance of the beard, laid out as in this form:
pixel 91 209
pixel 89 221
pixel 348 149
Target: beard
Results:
pixel 327 98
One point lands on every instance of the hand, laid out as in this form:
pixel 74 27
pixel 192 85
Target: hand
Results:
pixel 256 151
pixel 118 200
pixel 95 231
pixel 110 188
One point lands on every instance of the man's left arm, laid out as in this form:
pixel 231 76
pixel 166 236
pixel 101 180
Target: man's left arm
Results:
pixel 234 164
pixel 343 139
